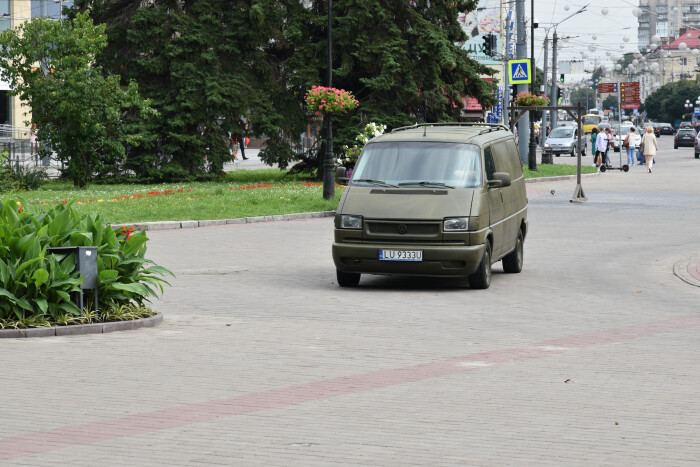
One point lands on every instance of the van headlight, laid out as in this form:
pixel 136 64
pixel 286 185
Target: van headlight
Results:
pixel 350 222
pixel 455 224
pixel 547 145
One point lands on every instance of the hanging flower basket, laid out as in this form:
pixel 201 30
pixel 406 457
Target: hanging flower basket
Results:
pixel 323 100
pixel 527 99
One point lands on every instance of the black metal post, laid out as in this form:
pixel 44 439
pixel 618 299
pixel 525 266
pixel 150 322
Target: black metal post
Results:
pixel 532 159
pixel 328 163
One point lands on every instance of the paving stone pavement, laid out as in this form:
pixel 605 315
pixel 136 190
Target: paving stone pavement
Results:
pixel 588 357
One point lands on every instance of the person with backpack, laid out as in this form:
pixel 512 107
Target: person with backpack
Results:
pixel 630 145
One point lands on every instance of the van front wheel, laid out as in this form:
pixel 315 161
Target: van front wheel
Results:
pixel 513 261
pixel 347 279
pixel 481 279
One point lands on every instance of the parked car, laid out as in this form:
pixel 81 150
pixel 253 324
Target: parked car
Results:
pixel 624 130
pixel 655 126
pixel 697 146
pixel 433 200
pixel 684 137
pixel 666 129
pixel 564 140
pixel 685 125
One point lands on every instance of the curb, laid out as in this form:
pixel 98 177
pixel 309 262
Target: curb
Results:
pixel 82 329
pixel 560 177
pixel 688 270
pixel 168 225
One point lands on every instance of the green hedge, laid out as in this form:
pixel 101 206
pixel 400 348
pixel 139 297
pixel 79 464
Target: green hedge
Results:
pixel 34 284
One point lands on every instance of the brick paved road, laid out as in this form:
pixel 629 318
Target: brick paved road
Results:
pixel 589 357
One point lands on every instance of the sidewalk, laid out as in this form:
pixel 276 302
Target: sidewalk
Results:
pixel 587 357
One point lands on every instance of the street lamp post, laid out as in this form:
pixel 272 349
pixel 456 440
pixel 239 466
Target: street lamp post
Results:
pixel 328 164
pixel 532 159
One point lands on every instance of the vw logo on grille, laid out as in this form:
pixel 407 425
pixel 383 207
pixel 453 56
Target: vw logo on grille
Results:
pixel 402 229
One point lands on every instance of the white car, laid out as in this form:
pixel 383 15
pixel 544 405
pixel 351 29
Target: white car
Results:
pixel 619 138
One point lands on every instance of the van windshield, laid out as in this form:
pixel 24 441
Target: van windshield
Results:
pixel 453 164
pixel 591 120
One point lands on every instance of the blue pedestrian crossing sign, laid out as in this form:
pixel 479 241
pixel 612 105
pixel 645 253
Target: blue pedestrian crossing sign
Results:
pixel 519 71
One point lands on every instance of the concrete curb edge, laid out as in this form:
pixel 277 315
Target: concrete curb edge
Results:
pixel 681 270
pixel 167 225
pixel 82 329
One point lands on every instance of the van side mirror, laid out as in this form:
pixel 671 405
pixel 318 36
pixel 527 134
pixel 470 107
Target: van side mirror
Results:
pixel 499 179
pixel 341 176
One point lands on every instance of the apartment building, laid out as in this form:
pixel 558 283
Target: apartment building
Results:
pixel 667 19
pixel 12 14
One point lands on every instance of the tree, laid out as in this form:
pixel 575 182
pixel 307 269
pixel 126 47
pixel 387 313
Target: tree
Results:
pixel 80 114
pixel 667 104
pixel 610 101
pixel 207 64
pixel 585 96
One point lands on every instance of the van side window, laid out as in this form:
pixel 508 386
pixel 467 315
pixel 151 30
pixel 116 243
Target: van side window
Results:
pixel 515 163
pixel 488 163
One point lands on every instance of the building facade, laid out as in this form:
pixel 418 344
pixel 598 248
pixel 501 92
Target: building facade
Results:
pixel 667 19
pixel 12 14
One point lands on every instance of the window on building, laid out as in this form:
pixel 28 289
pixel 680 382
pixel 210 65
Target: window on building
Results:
pixel 49 8
pixel 5 15
pixel 683 61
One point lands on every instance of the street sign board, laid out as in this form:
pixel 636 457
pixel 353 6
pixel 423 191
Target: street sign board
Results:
pixel 519 71
pixel 629 92
pixel 607 87
pixel 635 105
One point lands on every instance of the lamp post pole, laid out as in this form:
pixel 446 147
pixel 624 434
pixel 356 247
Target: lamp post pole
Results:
pixel 328 164
pixel 532 160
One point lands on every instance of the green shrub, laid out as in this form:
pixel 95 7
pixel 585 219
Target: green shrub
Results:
pixel 35 284
pixel 15 176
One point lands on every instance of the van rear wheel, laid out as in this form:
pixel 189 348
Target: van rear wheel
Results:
pixel 481 279
pixel 347 279
pixel 513 261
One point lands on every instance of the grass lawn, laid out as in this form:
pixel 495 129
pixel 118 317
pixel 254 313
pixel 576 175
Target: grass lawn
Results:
pixel 244 193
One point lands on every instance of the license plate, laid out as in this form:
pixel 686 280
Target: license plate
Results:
pixel 400 255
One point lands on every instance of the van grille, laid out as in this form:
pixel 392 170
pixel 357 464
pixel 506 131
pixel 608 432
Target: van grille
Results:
pixel 403 229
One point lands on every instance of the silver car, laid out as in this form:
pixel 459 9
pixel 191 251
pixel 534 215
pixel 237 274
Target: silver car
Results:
pixel 564 140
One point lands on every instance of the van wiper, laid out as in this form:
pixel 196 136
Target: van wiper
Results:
pixel 374 182
pixel 427 184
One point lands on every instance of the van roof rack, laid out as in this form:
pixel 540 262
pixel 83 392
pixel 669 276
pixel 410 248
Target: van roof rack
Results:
pixel 486 127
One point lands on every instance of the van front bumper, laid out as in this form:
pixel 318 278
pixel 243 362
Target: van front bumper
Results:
pixel 438 260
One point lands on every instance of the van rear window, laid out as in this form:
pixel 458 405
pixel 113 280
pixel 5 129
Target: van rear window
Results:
pixel 454 164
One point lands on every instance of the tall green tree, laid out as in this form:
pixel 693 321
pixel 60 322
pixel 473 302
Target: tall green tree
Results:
pixel 84 116
pixel 667 104
pixel 209 64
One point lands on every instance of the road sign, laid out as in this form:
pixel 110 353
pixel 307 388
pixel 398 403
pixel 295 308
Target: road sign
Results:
pixel 629 92
pixel 696 110
pixel 607 87
pixel 519 71
pixel 635 105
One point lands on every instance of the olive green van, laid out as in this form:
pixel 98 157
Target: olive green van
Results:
pixel 433 200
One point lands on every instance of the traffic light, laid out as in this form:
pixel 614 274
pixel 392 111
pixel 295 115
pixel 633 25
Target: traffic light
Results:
pixel 487 44
pixel 558 94
pixel 561 78
pixel 493 46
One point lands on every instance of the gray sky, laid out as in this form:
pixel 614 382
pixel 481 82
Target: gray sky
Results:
pixel 606 32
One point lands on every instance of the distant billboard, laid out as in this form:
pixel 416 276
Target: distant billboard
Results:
pixel 478 23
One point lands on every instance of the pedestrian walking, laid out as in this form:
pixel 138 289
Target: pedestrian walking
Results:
pixel 594 149
pixel 609 137
pixel 649 147
pixel 630 145
pixel 601 146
